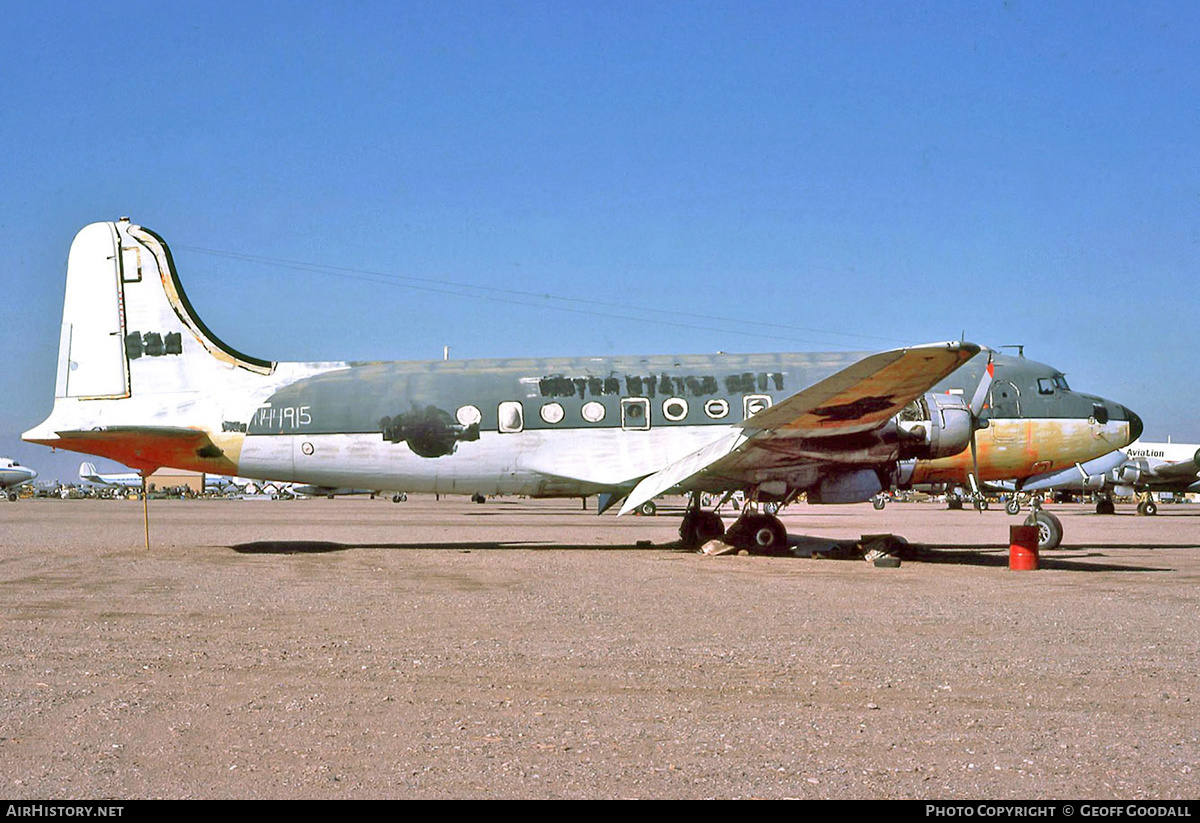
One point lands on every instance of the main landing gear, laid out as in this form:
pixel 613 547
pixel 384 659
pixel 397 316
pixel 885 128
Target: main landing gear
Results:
pixel 1146 506
pixel 756 532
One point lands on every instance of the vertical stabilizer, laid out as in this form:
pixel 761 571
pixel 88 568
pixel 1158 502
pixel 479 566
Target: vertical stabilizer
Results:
pixel 140 378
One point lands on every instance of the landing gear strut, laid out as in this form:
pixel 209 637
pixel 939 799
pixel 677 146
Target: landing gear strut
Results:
pixel 699 526
pixel 1050 530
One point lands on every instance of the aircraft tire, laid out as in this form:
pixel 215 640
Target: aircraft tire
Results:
pixel 1150 508
pixel 12 497
pixel 759 534
pixel 772 508
pixel 879 503
pixel 648 508
pixel 770 536
pixel 1050 530
pixel 1012 506
pixel 954 504
pixel 1105 507
pixel 981 505
pixel 698 528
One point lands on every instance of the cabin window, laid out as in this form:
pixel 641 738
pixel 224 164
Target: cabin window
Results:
pixel 553 412
pixel 675 408
pixel 592 411
pixel 752 404
pixel 716 409
pixel 635 413
pixel 512 417
pixel 468 415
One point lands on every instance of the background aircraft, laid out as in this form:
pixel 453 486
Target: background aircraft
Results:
pixel 142 380
pixel 124 480
pixel 12 475
pixel 1141 468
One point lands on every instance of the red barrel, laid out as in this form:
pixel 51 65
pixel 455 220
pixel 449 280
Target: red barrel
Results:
pixel 1023 548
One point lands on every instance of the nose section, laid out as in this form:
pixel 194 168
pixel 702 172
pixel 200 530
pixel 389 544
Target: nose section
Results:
pixel 1135 423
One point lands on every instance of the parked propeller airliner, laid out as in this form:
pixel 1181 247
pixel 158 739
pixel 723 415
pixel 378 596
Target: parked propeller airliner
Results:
pixel 12 476
pixel 142 380
pixel 1141 468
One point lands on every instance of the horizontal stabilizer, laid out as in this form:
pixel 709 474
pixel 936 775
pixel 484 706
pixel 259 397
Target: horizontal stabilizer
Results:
pixel 148 448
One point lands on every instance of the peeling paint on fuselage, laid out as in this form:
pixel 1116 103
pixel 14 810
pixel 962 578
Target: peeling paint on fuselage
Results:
pixel 333 433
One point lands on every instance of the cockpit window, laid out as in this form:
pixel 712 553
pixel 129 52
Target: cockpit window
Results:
pixel 1061 382
pixel 1045 385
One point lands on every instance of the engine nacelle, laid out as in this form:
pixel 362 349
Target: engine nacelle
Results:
pixel 1127 475
pixel 935 425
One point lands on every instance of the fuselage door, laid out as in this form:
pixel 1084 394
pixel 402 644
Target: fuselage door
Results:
pixel 1005 404
pixel 1005 399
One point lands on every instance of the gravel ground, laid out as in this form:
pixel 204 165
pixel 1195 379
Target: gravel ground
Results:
pixel 522 649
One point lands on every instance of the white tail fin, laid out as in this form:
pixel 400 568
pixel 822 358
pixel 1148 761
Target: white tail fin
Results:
pixel 140 377
pixel 127 324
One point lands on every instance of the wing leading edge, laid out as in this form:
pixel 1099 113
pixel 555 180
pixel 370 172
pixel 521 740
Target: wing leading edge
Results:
pixel 857 399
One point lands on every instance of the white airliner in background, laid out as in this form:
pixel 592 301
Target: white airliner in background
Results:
pixel 12 475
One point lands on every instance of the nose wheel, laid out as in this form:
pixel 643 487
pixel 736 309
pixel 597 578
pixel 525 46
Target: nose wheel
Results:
pixel 1050 530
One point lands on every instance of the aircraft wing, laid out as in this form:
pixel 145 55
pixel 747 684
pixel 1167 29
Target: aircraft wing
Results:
pixel 1169 472
pixel 1109 470
pixel 1078 475
pixel 859 398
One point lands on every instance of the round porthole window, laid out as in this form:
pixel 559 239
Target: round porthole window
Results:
pixel 467 415
pixel 552 412
pixel 675 408
pixel 593 412
pixel 716 409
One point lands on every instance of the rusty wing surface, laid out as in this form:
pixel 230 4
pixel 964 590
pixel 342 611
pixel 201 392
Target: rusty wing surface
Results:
pixel 815 425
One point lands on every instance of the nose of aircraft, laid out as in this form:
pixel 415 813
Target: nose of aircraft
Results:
pixel 1135 423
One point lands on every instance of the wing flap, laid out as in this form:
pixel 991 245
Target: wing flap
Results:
pixel 683 469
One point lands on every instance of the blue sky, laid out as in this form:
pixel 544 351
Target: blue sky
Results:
pixel 687 177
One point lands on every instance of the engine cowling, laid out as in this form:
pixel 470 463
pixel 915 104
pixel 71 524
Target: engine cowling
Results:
pixel 935 425
pixel 1127 475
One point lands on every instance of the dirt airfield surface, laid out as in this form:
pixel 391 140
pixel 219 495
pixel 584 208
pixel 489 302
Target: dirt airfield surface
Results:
pixel 527 649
